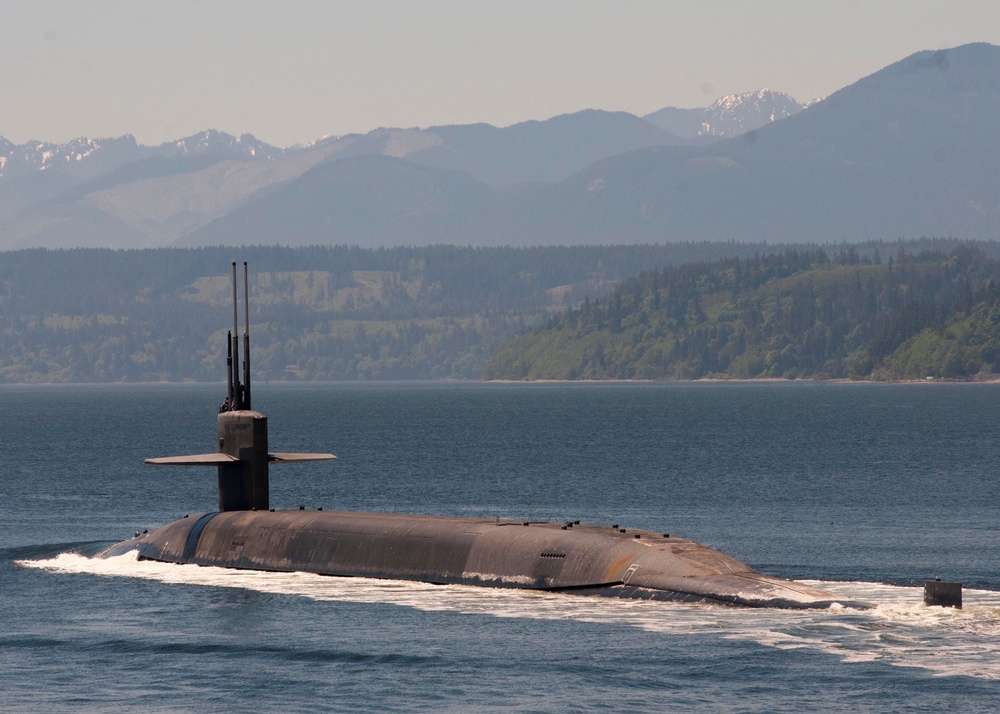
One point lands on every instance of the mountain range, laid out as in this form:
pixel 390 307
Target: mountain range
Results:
pixel 729 116
pixel 909 151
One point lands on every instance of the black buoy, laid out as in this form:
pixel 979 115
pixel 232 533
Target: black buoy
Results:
pixel 938 593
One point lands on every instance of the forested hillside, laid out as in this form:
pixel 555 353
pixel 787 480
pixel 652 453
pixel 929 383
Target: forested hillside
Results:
pixel 318 313
pixel 799 313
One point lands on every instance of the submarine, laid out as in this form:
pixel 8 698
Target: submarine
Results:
pixel 563 557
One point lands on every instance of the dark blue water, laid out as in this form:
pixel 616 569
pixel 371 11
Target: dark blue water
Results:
pixel 868 488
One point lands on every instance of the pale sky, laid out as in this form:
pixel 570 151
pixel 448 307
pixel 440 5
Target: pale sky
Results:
pixel 290 72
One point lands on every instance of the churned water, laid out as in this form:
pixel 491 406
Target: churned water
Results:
pixel 862 489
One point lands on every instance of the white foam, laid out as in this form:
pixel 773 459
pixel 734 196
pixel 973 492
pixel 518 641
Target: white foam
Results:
pixel 900 630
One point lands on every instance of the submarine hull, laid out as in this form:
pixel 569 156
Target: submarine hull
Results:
pixel 580 559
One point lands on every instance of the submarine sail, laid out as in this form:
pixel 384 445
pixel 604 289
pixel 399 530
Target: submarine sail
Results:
pixel 242 456
pixel 609 561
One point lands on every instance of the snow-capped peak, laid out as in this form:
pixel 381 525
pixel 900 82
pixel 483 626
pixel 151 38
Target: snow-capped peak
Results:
pixel 739 113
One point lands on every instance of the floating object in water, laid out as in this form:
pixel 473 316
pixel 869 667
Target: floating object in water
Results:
pixel 940 593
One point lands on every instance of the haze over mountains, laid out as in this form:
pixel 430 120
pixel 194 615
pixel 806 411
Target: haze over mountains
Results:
pixel 909 151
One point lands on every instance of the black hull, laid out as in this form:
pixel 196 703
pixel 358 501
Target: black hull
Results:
pixel 570 558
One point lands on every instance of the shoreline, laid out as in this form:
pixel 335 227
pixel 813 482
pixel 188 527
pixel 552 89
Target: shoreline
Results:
pixel 992 379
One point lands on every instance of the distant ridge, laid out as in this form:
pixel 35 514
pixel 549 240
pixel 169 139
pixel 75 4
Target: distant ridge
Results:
pixel 909 151
pixel 138 196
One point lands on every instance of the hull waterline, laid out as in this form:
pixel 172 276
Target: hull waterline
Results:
pixel 567 557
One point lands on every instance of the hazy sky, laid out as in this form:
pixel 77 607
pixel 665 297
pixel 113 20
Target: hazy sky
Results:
pixel 293 71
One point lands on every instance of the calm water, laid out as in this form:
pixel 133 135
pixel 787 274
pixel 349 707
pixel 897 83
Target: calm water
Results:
pixel 869 489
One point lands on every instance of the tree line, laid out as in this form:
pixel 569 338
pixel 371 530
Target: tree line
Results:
pixel 903 311
pixel 441 312
pixel 317 313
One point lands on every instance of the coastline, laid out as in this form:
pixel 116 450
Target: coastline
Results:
pixel 991 379
pixel 978 379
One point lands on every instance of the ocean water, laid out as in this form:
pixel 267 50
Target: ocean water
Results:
pixel 863 489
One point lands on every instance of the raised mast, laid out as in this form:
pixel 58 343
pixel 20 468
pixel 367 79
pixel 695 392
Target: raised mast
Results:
pixel 246 339
pixel 228 404
pixel 237 403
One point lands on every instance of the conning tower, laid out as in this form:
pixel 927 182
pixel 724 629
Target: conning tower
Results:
pixel 242 457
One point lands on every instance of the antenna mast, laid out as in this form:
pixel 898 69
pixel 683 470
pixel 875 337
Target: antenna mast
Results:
pixel 237 388
pixel 246 339
pixel 228 404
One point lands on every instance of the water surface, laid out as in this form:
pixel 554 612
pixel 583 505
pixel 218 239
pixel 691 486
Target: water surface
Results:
pixel 863 489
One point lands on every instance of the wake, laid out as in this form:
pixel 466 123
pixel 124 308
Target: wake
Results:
pixel 899 630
